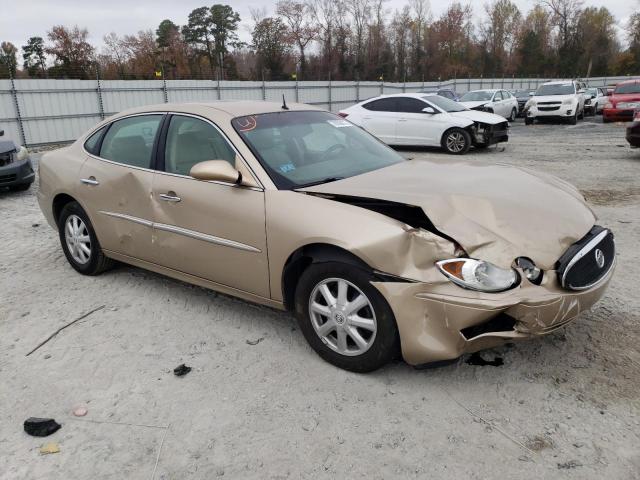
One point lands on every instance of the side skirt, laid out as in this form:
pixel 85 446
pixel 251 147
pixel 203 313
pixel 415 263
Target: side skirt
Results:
pixel 192 279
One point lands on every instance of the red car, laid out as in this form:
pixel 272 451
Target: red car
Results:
pixel 633 131
pixel 624 101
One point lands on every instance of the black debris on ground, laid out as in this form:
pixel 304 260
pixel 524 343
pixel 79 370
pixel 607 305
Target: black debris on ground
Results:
pixel 476 359
pixel 41 427
pixel 181 370
pixel 255 342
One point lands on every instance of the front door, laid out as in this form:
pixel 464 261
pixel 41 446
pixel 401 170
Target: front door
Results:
pixel 116 186
pixel 381 119
pixel 212 230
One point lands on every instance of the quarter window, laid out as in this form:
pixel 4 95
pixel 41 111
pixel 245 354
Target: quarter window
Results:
pixel 190 141
pixel 130 141
pixel 91 145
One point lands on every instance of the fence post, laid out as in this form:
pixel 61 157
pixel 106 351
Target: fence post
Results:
pixel 404 82
pixel 469 82
pixel 219 91
pixel 455 82
pixel 502 85
pixel 99 92
pixel 14 95
pixel 164 87
pixel 358 89
pixel 264 87
pixel 381 85
pixel 297 90
pixel 330 92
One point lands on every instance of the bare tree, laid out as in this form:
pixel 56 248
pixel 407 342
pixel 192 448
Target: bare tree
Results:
pixel 300 30
pixel 360 11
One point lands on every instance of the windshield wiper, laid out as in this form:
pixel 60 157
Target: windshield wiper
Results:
pixel 320 182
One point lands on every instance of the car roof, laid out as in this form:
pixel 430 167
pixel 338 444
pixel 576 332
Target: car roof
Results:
pixel 493 90
pixel 627 82
pixel 557 82
pixel 230 108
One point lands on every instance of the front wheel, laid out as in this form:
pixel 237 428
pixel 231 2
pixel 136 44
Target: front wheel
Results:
pixel 574 119
pixel 528 121
pixel 345 319
pixel 79 241
pixel 456 141
pixel 514 114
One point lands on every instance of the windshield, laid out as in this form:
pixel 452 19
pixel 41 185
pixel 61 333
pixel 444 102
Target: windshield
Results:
pixel 477 96
pixel 444 103
pixel 556 89
pixel 627 88
pixel 301 148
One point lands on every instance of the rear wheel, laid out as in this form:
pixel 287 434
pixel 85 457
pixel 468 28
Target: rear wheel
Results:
pixel 79 241
pixel 345 319
pixel 456 141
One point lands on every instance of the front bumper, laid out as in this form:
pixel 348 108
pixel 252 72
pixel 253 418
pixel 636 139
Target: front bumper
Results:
pixel 561 111
pixel 618 115
pixel 440 322
pixel 491 134
pixel 17 173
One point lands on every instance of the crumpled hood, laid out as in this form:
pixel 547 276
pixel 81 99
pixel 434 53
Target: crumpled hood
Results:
pixel 7 146
pixel 495 212
pixel 477 116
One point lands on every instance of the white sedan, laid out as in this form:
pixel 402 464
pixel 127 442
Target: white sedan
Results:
pixel 495 101
pixel 419 119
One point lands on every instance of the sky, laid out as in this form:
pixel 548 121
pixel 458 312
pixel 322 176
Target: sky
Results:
pixel 25 18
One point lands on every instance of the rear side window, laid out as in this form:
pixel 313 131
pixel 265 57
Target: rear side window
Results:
pixel 91 145
pixel 130 141
pixel 382 105
pixel 190 141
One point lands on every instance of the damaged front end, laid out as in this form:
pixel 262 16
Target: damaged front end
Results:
pixel 440 317
pixel 485 134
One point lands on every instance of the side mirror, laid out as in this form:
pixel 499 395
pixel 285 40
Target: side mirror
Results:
pixel 218 170
pixel 429 110
pixel 531 94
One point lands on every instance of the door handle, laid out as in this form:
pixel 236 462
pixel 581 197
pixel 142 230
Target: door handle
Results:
pixel 90 181
pixel 170 197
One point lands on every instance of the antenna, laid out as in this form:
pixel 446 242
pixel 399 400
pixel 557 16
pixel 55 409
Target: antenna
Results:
pixel 284 103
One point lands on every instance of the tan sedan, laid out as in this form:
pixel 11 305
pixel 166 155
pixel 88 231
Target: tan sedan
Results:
pixel 299 209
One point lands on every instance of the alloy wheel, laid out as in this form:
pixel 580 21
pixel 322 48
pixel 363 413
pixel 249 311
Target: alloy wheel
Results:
pixel 78 240
pixel 342 316
pixel 455 142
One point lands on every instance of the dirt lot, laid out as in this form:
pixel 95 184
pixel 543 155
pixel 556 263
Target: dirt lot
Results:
pixel 564 406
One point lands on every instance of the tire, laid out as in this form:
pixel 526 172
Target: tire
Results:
pixel 573 120
pixel 20 188
pixel 380 335
pixel 93 262
pixel 514 114
pixel 528 120
pixel 456 141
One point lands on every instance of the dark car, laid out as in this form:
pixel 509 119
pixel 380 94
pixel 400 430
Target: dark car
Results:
pixel 16 169
pixel 633 131
pixel 443 92
pixel 523 97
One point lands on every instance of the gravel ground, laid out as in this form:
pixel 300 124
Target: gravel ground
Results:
pixel 563 406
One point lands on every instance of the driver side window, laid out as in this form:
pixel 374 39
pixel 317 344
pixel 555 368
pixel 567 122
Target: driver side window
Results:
pixel 190 141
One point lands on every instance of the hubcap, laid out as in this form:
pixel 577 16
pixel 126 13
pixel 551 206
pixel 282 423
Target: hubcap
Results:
pixel 77 238
pixel 342 316
pixel 455 142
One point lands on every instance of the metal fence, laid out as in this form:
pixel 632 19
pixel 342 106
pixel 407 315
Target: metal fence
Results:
pixel 43 111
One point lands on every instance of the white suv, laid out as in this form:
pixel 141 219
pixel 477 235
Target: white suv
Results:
pixel 556 99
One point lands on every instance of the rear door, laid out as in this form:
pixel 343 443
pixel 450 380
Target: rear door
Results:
pixel 212 230
pixel 115 185
pixel 381 119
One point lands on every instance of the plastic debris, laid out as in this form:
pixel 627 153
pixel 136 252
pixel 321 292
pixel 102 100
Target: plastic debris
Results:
pixel 41 427
pixel 80 411
pixel 48 448
pixel 181 370
pixel 476 359
pixel 255 342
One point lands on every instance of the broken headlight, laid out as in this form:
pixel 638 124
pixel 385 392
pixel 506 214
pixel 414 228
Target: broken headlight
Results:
pixel 478 274
pixel 533 273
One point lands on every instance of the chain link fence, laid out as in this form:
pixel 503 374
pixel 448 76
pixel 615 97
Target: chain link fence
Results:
pixel 38 112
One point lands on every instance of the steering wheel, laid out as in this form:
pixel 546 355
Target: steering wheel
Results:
pixel 333 150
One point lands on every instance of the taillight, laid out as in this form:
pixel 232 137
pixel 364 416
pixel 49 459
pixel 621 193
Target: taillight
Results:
pixel 343 115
